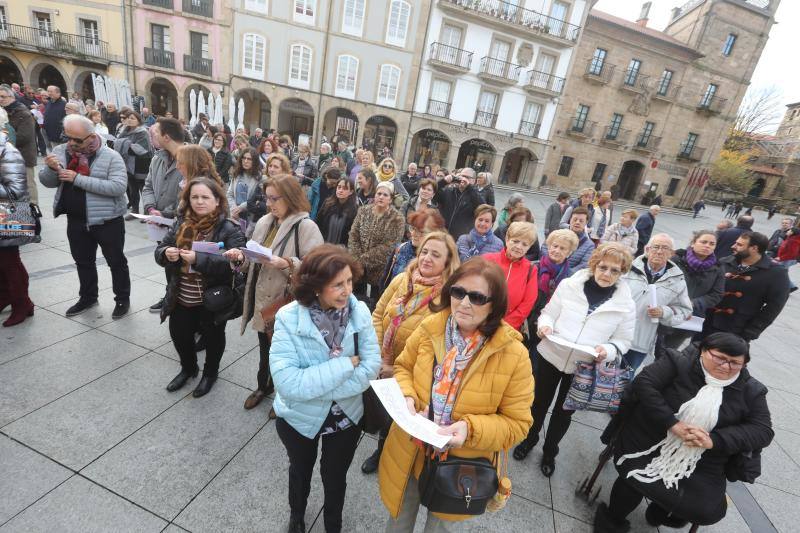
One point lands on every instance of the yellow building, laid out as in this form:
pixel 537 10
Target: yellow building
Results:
pixel 45 42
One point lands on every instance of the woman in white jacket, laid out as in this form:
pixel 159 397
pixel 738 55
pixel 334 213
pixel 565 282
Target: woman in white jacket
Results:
pixel 593 308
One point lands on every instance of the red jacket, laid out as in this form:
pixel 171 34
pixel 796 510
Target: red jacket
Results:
pixel 790 249
pixel 523 289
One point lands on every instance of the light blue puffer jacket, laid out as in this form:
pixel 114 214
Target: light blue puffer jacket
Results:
pixel 307 380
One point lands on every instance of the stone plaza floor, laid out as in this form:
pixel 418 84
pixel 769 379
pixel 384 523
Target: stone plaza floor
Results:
pixel 91 441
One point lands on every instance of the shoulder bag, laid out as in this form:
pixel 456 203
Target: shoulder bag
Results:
pixel 268 313
pixel 19 221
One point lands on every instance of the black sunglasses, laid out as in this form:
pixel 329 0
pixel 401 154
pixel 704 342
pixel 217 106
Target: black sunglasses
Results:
pixel 77 140
pixel 475 297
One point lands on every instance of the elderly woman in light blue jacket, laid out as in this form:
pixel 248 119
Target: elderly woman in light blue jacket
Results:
pixel 324 352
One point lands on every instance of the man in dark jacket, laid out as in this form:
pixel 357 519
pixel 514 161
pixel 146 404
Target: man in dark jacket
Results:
pixel 554 213
pixel 644 225
pixel 727 237
pixel 457 202
pixel 54 114
pixel 410 179
pixel 756 289
pixel 779 236
pixel 24 124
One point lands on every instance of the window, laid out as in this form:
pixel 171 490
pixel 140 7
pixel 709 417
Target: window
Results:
pixel 90 32
pixel 451 36
pixel 664 82
pixel 198 45
pixel 727 48
pixel 439 102
pixel 614 125
pixel 531 119
pixel 599 172
pixel 346 73
pixel 256 5
pixel 566 166
pixel 3 18
pixel 353 17
pixel 557 23
pixel 388 85
pixel 253 60
pixel 647 132
pixel 300 66
pixel 486 113
pixel 673 186
pixel 159 36
pixel 598 62
pixel 687 147
pixel 632 74
pixel 580 117
pixel 397 29
pixel 708 96
pixel 304 11
pixel 45 29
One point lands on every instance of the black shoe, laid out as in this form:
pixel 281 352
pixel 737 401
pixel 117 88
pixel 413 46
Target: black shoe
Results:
pixel 548 465
pixel 657 516
pixel 120 310
pixel 80 307
pixel 296 526
pixel 199 342
pixel 605 523
pixel 180 380
pixel 524 448
pixel 370 465
pixel 156 307
pixel 206 382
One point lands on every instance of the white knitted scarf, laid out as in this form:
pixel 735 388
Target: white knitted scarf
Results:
pixel 678 460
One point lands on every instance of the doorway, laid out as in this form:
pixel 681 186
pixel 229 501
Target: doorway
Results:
pixel 630 178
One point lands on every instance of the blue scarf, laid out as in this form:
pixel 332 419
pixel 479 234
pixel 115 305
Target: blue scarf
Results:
pixel 479 242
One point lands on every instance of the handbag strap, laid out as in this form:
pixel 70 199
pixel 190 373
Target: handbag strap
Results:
pixel 355 344
pixel 294 229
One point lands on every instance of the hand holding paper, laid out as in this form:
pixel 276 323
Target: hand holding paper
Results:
pixel 255 252
pixel 575 346
pixel 651 289
pixel 416 425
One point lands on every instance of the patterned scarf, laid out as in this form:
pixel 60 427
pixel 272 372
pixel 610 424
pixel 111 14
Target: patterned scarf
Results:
pixel 699 265
pixel 551 274
pixel 331 324
pixel 194 228
pixel 479 241
pixel 407 305
pixel 447 376
pixel 78 159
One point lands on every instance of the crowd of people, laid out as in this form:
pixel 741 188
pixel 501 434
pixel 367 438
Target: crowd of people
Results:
pixel 377 273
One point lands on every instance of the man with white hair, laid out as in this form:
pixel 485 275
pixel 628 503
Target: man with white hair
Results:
pixel 672 302
pixel 645 224
pixel 92 180
pixel 54 114
pixel 255 139
pixel 410 179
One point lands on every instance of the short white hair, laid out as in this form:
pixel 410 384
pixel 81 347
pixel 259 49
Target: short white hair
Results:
pixel 487 176
pixel 661 236
pixel 325 145
pixel 79 120
pixel 655 207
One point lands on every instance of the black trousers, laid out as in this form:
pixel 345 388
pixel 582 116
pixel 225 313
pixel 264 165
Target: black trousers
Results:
pixel 183 323
pixel 550 382
pixel 135 187
pixel 83 243
pixel 338 450
pixel 264 378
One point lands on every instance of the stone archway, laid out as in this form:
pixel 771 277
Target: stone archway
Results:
pixel 84 85
pixel 45 74
pixel 629 181
pixel 341 124
pixel 9 71
pixel 162 97
pixel 758 188
pixel 476 153
pixel 257 110
pixel 296 119
pixel 519 166
pixel 430 147
pixel 197 88
pixel 380 131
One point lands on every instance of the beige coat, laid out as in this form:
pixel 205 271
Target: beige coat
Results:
pixel 266 283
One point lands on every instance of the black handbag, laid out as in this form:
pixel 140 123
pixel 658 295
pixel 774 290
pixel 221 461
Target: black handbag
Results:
pixel 456 485
pixel 744 466
pixel 375 416
pixel 226 302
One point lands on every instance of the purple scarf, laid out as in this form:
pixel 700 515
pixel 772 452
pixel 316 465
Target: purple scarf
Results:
pixel 551 274
pixel 699 265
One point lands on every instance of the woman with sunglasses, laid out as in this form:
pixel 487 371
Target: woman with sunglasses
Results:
pixel 246 176
pixel 593 308
pixel 468 371
pixel 703 410
pixel 337 214
pixel 387 173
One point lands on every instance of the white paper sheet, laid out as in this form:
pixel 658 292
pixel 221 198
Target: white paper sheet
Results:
pixel 695 323
pixel 580 347
pixel 207 247
pixel 390 395
pixel 653 300
pixel 155 219
pixel 255 252
pixel 156 232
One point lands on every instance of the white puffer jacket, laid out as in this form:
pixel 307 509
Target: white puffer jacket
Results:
pixel 673 299
pixel 610 325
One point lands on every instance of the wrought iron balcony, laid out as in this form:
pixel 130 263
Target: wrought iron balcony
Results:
pixel 646 143
pixel 54 43
pixel 711 104
pixel 599 71
pixel 486 119
pixel 668 93
pixel 159 58
pixel 499 71
pixel 531 129
pixel 581 127
pixel 166 4
pixel 204 8
pixel 450 58
pixel 691 152
pixel 543 83
pixel 510 16
pixel 198 65
pixel 439 109
pixel 634 81
pixel 615 135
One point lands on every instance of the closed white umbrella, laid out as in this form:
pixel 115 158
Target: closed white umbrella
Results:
pixel 99 88
pixel 111 91
pixel 201 104
pixel 218 118
pixel 210 108
pixel 240 111
pixel 231 113
pixel 192 108
pixel 125 91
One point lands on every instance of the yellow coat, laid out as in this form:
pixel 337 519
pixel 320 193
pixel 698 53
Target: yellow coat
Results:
pixel 386 311
pixel 494 399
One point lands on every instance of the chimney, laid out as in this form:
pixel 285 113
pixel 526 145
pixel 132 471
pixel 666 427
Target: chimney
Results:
pixel 643 15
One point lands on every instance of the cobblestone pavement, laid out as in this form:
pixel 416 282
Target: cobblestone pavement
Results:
pixel 91 441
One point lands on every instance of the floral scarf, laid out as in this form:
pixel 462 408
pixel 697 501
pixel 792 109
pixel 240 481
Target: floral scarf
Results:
pixel 479 242
pixel 696 264
pixel 407 305
pixel 551 274
pixel 331 324
pixel 447 375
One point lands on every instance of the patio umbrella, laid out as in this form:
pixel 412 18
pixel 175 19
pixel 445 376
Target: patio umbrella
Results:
pixel 231 114
pixel 201 104
pixel 125 93
pixel 210 109
pixel 111 89
pixel 192 108
pixel 218 118
pixel 99 88
pixel 240 111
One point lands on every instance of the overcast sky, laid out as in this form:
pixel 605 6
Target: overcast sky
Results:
pixel 776 67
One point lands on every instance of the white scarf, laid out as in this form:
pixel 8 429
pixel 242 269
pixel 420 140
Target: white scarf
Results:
pixel 678 460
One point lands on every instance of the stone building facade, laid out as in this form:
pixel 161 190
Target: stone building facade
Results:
pixel 645 111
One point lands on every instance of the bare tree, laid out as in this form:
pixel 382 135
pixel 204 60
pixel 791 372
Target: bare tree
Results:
pixel 760 111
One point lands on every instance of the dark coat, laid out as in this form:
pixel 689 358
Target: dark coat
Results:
pixel 487 194
pixel 705 288
pixel 216 269
pixel 725 240
pixel 649 409
pixel 24 125
pixel 457 208
pixel 411 183
pixel 54 114
pixel 222 162
pixel 752 300
pixel 644 225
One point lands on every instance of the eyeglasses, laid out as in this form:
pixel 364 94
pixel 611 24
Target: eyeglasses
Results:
pixel 475 297
pixel 273 199
pixel 660 247
pixel 608 270
pixel 722 361
pixel 78 140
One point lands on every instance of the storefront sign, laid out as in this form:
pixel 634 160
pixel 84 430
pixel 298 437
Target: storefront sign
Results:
pixel 671 168
pixel 478 144
pixel 500 138
pixel 456 128
pixel 433 135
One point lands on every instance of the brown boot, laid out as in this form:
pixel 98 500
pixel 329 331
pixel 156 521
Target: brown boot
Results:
pixel 254 399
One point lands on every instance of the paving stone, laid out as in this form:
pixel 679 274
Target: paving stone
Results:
pixel 567 524
pixel 145 265
pixel 79 427
pixel 142 328
pixel 778 470
pixel 782 508
pixel 81 506
pixel 168 462
pixel 30 382
pixel 46 259
pixel 243 371
pixel 26 477
pixel 784 409
pixel 63 288
pixel 235 346
pixel 30 336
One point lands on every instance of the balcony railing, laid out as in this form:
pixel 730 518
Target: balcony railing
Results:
pixel 615 135
pixel 646 143
pixel 485 119
pixel 198 65
pixel 499 70
pixel 54 42
pixel 159 58
pixel 599 71
pixel 544 82
pixel 668 93
pixel 531 129
pixel 581 127
pixel 204 8
pixel 166 4
pixel 691 152
pixel 450 56
pixel 631 82
pixel 517 17
pixel 711 104
pixel 438 108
